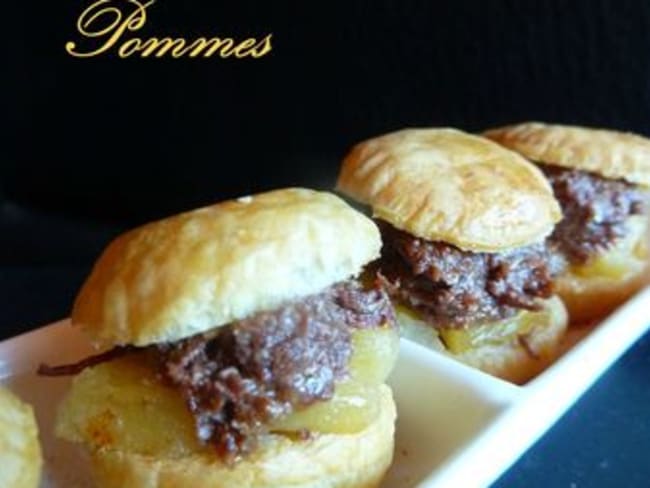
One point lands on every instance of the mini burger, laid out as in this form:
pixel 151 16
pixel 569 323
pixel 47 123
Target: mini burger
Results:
pixel 601 178
pixel 240 351
pixel 20 451
pixel 463 223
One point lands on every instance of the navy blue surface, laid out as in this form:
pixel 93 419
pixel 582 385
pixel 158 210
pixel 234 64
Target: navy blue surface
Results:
pixel 604 440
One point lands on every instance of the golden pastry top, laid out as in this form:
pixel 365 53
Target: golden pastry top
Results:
pixel 202 269
pixel 443 184
pixel 608 153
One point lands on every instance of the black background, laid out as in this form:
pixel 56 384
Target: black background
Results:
pixel 91 147
pixel 130 139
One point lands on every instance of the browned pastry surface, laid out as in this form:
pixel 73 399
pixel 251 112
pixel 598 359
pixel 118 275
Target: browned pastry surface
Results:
pixel 446 185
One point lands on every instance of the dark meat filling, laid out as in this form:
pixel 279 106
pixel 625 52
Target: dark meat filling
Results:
pixel 264 367
pixel 595 211
pixel 454 288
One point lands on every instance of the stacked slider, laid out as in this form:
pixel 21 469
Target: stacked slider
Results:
pixel 463 224
pixel 602 179
pixel 242 350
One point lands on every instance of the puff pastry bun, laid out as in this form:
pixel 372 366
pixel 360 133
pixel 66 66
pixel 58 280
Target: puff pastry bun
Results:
pixel 20 451
pixel 611 154
pixel 446 185
pixel 202 269
pixel 593 289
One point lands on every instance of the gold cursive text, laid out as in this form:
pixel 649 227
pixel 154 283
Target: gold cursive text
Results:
pixel 107 24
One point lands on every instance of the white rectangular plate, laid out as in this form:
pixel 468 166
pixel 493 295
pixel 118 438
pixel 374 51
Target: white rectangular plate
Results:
pixel 449 415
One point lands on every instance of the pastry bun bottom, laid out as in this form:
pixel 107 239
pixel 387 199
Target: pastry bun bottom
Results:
pixel 589 299
pixel 324 461
pixel 593 290
pixel 20 452
pixel 517 359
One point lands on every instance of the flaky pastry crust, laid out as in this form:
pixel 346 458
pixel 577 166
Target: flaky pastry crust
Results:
pixel 20 451
pixel 446 185
pixel 608 153
pixel 202 269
